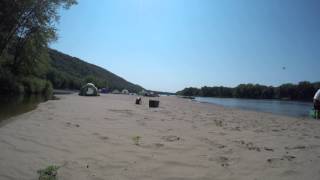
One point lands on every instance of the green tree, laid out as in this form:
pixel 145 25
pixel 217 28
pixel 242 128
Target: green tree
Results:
pixel 26 29
pixel 22 19
pixel 30 33
pixel 305 91
pixel 302 91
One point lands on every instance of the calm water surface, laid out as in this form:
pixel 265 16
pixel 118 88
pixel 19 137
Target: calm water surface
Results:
pixel 12 106
pixel 287 108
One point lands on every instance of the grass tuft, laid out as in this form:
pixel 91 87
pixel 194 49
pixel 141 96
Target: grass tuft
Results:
pixel 136 140
pixel 49 173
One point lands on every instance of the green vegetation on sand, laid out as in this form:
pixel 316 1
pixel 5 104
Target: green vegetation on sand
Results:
pixel 49 173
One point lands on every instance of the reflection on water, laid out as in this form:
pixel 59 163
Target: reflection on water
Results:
pixel 288 108
pixel 15 105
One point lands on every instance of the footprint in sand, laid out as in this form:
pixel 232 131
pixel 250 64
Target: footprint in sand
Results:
pixel 276 162
pixel 296 147
pixel 126 112
pixel 218 123
pixel 141 122
pixel 237 128
pixel 289 173
pixel 268 149
pixel 212 143
pixel 250 146
pixel 158 145
pixel 222 160
pixel 222 133
pixel 171 138
pixel 104 138
pixel 69 124
pixel 286 157
pixel 258 131
pixel 109 119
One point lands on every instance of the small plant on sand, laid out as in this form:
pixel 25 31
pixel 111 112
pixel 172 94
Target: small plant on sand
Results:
pixel 49 173
pixel 136 140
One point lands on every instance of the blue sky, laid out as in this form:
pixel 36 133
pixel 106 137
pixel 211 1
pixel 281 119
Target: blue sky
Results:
pixel 171 44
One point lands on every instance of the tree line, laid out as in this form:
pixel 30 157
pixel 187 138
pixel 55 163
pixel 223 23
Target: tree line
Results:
pixel 27 27
pixel 303 91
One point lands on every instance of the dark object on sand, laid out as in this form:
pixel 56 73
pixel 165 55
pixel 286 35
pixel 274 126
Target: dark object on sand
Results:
pixel 154 103
pixel 138 100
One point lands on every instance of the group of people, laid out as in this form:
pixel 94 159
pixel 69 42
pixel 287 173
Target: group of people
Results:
pixel 316 104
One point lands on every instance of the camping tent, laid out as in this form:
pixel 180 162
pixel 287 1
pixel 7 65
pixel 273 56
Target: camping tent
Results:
pixel 89 90
pixel 142 92
pixel 116 91
pixel 125 91
pixel 104 90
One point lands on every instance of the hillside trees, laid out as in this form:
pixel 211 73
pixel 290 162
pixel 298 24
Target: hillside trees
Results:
pixel 67 72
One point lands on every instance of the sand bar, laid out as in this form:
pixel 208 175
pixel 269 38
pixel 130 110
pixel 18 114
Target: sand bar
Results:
pixel 96 138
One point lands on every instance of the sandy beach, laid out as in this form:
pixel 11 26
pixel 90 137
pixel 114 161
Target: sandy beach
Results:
pixel 109 137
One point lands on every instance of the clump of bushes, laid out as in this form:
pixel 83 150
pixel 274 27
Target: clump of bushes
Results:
pixel 49 173
pixel 34 85
pixel 11 84
pixel 136 140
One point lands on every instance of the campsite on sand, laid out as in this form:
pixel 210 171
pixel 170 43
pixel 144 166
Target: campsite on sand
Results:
pixel 109 137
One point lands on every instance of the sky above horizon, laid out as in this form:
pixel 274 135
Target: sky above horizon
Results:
pixel 168 45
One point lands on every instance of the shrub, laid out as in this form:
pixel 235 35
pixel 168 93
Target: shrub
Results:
pixel 49 173
pixel 48 90
pixel 33 85
pixel 9 83
pixel 136 140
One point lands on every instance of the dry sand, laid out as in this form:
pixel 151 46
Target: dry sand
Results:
pixel 92 138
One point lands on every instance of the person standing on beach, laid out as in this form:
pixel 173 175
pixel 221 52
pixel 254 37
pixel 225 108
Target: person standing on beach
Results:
pixel 316 103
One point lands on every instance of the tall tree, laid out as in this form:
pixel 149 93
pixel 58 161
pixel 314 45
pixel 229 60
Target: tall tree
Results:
pixel 26 29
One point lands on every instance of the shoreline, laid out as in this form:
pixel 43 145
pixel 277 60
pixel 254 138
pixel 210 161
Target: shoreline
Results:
pixel 248 108
pixel 95 138
pixel 255 111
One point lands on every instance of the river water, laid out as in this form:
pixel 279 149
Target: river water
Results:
pixel 287 108
pixel 14 105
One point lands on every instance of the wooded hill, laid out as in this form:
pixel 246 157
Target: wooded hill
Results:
pixel 67 72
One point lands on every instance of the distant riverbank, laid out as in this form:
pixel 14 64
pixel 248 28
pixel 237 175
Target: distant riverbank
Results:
pixel 303 91
pixel 14 105
pixel 11 106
